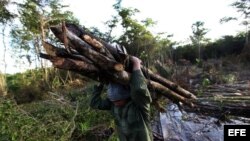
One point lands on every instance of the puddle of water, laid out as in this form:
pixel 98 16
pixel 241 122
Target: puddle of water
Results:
pixel 181 126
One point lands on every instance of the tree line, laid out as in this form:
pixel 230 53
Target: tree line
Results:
pixel 29 25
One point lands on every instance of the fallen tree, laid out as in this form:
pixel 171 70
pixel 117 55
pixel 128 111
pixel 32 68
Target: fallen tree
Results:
pixel 90 56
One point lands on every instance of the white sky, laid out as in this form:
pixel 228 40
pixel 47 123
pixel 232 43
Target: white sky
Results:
pixel 172 16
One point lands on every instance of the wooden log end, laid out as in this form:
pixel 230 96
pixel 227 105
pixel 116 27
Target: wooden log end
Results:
pixel 49 49
pixel 93 42
pixel 192 105
pixel 193 97
pixel 119 67
pixel 56 29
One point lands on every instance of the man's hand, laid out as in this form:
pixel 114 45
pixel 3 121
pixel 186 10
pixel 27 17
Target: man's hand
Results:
pixel 136 63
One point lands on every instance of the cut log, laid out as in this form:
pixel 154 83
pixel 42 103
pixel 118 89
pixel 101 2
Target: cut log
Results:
pixel 65 39
pixel 108 49
pixel 219 108
pixel 90 71
pixel 98 60
pixel 169 84
pixel 78 66
pixel 224 99
pixel 92 42
pixel 81 32
pixel 84 49
pixel 60 52
pixel 159 88
pixel 94 73
pixel 78 31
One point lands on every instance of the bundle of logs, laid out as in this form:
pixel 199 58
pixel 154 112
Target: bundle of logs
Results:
pixel 94 58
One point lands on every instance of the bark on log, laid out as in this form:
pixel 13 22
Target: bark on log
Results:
pixel 55 53
pixel 221 108
pixel 224 99
pixel 89 70
pixel 84 68
pixel 92 42
pixel 169 84
pixel 84 49
pixel 86 61
pixel 159 88
pixel 60 52
pixel 80 32
pixel 78 66
pixel 107 49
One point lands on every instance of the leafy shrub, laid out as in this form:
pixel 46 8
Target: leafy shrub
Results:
pixel 62 116
pixel 228 78
pixel 26 87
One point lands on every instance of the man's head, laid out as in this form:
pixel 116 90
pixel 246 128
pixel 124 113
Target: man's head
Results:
pixel 118 93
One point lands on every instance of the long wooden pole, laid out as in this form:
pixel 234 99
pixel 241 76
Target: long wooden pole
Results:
pixel 81 33
pixel 90 70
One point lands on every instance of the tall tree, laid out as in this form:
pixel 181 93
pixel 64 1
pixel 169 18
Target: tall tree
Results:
pixel 136 37
pixel 35 16
pixel 6 17
pixel 242 7
pixel 198 37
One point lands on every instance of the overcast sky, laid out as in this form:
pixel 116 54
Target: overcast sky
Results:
pixel 172 16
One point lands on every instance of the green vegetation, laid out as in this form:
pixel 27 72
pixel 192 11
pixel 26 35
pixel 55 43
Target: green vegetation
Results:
pixel 5 15
pixel 63 114
pixel 50 104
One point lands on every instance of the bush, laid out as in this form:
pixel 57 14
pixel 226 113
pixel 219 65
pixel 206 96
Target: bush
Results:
pixel 26 87
pixel 63 116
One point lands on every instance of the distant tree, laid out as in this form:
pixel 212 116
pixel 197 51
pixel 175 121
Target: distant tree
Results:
pixel 198 37
pixel 136 37
pixel 242 7
pixel 164 48
pixel 111 25
pixel 188 52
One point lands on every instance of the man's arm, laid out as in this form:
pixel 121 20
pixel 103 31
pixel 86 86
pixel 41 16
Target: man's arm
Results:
pixel 139 91
pixel 97 102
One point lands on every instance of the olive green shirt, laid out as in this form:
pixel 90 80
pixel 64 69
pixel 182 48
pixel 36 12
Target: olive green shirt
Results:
pixel 133 119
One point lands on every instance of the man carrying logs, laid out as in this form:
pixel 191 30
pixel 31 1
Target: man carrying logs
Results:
pixel 130 105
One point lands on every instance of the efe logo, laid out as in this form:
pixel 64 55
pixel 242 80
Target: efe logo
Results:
pixel 236 132
pixel 241 132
